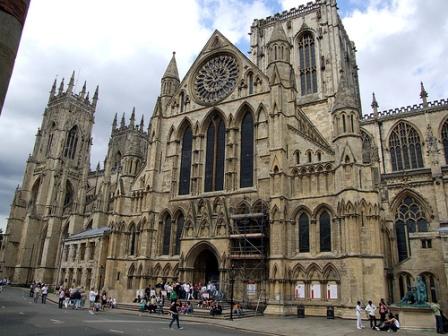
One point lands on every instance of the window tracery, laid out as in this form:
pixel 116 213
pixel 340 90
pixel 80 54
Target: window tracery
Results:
pixel 247 151
pixel 307 64
pixel 405 148
pixel 185 163
pixel 215 155
pixel 71 143
pixel 409 218
pixel 445 140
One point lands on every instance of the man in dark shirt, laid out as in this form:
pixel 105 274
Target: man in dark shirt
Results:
pixel 175 313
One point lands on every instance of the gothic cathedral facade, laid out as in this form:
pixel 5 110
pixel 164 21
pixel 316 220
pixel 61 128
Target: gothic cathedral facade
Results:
pixel 261 170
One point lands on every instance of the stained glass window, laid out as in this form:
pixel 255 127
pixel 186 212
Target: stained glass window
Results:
pixel 445 139
pixel 215 155
pixel 166 235
pixel 405 148
pixel 247 151
pixel 307 64
pixel 325 232
pixel 409 218
pixel 185 163
pixel 304 233
pixel 179 228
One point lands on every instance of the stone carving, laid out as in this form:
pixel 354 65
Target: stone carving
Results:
pixel 216 79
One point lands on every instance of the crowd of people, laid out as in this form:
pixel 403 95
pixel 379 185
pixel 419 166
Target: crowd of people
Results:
pixel 39 292
pixel 388 321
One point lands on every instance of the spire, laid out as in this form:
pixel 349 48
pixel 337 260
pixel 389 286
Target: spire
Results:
pixel 374 105
pixel 98 167
pixel 87 101
pixel 278 34
pixel 123 122
pixel 61 87
pixel 95 96
pixel 83 90
pixel 53 89
pixel 345 97
pixel 423 95
pixel 114 123
pixel 142 124
pixel 171 70
pixel 132 120
pixel 71 84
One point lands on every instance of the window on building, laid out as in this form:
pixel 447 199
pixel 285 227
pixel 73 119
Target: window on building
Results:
pixel 166 235
pixel 75 252
pixel 426 243
pixel 82 251
pixel 299 291
pixel 50 139
pixel 181 102
pixel 319 156
pixel 247 151
pixel 132 242
pixel 310 158
pixel 297 157
pixel 429 281
pixel 185 162
pixel 325 231
pixel 91 250
pixel 250 83
pixel 130 281
pixel 116 161
pixel 445 140
pixel 315 290
pixel 405 148
pixel 215 155
pixel 179 228
pixel 68 198
pixel 71 143
pixel 304 233
pixel 366 148
pixel 307 64
pixel 404 283
pixel 409 218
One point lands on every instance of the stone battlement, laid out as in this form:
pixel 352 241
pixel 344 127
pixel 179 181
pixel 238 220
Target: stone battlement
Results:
pixel 289 14
pixel 406 110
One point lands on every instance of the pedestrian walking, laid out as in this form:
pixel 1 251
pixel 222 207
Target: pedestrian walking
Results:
pixel 174 311
pixel 61 297
pixel 358 311
pixel 371 311
pixel 438 315
pixel 44 293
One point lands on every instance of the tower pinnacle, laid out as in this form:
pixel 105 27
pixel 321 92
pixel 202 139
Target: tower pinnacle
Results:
pixel 423 95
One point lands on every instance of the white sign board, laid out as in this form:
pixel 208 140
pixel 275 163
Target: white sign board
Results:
pixel 251 289
pixel 332 290
pixel 315 290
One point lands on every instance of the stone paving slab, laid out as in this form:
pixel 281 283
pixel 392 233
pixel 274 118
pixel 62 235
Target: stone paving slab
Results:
pixel 283 326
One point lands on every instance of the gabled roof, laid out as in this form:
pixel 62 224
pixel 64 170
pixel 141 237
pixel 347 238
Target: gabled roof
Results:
pixel 278 34
pixel 97 232
pixel 345 96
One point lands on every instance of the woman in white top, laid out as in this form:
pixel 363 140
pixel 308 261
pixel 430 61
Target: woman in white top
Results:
pixel 358 311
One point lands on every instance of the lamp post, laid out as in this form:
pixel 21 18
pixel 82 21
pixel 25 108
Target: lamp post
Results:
pixel 232 282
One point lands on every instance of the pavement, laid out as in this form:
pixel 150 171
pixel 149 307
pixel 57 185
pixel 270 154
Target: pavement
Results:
pixel 13 301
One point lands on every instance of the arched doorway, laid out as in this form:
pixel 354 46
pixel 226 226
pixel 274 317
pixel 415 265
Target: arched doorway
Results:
pixel 206 268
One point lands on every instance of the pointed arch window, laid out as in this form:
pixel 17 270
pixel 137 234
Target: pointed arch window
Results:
pixel 247 151
pixel 71 143
pixel 304 233
pixel 117 161
pixel 185 162
pixel 166 235
pixel 132 243
pixel 405 148
pixel 366 148
pixel 445 140
pixel 68 198
pixel 325 231
pixel 215 155
pixel 181 102
pixel 307 64
pixel 50 139
pixel 179 229
pixel 409 218
pixel 250 83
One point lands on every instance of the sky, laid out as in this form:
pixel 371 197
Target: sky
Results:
pixel 126 48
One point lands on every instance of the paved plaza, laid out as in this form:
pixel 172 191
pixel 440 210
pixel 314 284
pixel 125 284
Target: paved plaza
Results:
pixel 20 316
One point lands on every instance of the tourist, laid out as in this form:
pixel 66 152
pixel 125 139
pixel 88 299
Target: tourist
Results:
pixel 61 297
pixel 391 323
pixel 114 303
pixel 174 314
pixel 371 311
pixel 92 296
pixel 32 287
pixel 77 298
pixel 103 300
pixel 358 311
pixel 384 309
pixel 438 315
pixel 44 293
pixel 37 291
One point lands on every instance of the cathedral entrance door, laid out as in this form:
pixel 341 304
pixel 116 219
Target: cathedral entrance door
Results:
pixel 206 268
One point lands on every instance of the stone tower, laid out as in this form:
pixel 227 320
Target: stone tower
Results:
pixel 48 206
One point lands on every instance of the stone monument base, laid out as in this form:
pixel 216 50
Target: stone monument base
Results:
pixel 414 317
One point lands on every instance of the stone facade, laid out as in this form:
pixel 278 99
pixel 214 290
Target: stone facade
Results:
pixel 263 170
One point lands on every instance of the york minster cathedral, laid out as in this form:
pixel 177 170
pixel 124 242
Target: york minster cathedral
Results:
pixel 259 170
